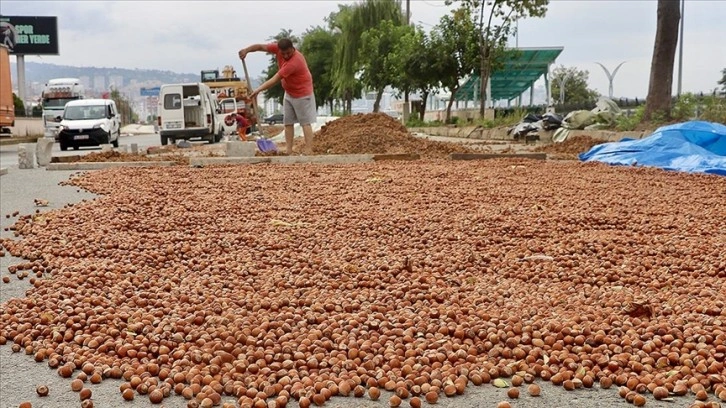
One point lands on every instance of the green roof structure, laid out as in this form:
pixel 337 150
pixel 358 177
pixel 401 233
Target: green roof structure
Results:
pixel 522 68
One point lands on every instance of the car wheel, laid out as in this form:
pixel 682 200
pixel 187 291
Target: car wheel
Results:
pixel 63 147
pixel 164 140
pixel 76 147
pixel 115 142
pixel 273 123
pixel 220 136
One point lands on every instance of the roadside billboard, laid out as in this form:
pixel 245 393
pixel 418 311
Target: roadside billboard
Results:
pixel 29 35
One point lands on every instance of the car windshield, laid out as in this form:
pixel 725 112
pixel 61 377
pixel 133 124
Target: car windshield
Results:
pixel 85 112
pixel 56 103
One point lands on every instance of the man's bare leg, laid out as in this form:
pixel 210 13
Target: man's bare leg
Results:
pixel 289 138
pixel 308 134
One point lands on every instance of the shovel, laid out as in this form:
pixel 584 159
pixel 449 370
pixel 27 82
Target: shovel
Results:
pixel 253 101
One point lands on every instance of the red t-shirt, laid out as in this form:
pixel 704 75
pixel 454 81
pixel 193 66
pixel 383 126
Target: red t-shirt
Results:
pixel 242 121
pixel 296 78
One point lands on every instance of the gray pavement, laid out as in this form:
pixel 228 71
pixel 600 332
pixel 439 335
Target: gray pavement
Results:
pixel 20 375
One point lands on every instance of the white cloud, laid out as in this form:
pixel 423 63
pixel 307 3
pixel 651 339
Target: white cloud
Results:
pixel 188 36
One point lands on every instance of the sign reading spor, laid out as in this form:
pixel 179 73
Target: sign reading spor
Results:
pixel 29 35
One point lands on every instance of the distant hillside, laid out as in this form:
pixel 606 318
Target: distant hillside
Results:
pixel 42 72
pixel 130 79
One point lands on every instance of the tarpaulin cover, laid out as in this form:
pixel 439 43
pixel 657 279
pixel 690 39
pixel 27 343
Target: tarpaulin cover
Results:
pixel 696 146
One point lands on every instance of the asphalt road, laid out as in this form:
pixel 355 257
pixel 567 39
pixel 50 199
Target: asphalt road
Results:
pixel 20 375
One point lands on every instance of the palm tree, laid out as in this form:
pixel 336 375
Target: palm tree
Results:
pixel 352 21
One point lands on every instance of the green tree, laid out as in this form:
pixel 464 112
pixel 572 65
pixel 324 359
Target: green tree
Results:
pixel 456 51
pixel 722 82
pixel 352 22
pixel 660 87
pixel 124 107
pixel 378 59
pixel 495 24
pixel 316 45
pixel 19 105
pixel 576 87
pixel 414 61
pixel 276 92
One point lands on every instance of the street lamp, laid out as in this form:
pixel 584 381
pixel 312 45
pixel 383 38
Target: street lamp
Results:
pixel 611 76
pixel 562 82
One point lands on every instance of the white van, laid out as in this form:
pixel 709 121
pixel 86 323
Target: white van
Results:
pixel 89 122
pixel 188 111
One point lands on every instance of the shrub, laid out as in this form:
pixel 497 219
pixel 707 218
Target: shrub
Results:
pixel 629 120
pixel 713 109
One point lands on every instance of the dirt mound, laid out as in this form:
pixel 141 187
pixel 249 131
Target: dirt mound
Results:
pixel 376 133
pixel 573 145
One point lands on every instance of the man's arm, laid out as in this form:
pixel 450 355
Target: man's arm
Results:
pixel 266 85
pixel 252 48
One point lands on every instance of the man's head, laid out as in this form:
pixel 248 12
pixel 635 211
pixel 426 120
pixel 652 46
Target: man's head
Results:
pixel 286 48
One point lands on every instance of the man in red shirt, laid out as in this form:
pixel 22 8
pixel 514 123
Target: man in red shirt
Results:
pixel 299 102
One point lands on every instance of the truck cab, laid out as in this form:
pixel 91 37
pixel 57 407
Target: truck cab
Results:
pixel 56 94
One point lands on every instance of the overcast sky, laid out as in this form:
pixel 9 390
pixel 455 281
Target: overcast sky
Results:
pixel 189 36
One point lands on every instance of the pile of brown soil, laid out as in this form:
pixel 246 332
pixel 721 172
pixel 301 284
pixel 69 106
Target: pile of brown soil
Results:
pixel 376 133
pixel 570 148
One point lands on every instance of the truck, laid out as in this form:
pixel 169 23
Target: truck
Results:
pixel 7 104
pixel 189 111
pixel 229 86
pixel 56 94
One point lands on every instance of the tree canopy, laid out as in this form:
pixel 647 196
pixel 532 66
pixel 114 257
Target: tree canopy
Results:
pixel 316 47
pixel 352 22
pixel 368 45
pixel 380 58
pixel 576 86
pixel 494 24
pixel 456 51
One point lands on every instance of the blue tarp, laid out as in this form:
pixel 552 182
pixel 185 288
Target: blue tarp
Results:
pixel 696 146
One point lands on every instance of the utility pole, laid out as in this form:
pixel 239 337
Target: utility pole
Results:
pixel 611 77
pixel 406 107
pixel 680 50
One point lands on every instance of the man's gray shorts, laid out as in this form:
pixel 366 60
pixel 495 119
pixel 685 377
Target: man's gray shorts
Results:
pixel 300 110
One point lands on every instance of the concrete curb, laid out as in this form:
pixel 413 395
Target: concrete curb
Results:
pixel 106 165
pixel 18 140
pixel 3 171
pixel 326 159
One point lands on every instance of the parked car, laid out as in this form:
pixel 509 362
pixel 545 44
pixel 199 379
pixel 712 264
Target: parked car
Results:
pixel 89 122
pixel 273 119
